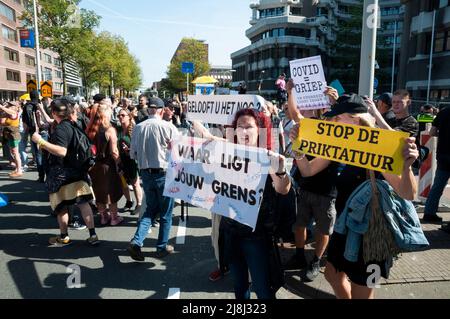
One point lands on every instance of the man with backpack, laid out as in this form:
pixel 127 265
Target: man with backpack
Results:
pixel 30 127
pixel 68 182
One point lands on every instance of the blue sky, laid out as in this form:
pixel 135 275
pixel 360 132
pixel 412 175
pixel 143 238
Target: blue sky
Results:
pixel 153 28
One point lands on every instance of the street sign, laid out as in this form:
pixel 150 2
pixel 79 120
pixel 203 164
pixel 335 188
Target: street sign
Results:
pixel 26 38
pixel 375 83
pixel 187 67
pixel 31 86
pixel 46 89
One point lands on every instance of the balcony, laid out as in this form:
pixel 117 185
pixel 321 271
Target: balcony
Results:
pixel 270 42
pixel 424 21
pixel 350 2
pixel 327 4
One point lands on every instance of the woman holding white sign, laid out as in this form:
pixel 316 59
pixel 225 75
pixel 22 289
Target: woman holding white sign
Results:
pixel 363 275
pixel 253 251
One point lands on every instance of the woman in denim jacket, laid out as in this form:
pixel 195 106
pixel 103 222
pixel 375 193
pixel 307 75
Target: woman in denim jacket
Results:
pixel 354 110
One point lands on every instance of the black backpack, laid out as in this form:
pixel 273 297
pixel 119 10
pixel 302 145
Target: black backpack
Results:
pixel 83 156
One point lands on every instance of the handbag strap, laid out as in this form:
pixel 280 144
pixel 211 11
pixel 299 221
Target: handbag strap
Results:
pixel 375 192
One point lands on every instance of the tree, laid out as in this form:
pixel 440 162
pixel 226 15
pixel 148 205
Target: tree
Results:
pixel 105 58
pixel 191 50
pixel 346 52
pixel 61 27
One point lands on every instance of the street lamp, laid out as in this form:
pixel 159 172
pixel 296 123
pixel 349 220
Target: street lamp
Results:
pixel 260 81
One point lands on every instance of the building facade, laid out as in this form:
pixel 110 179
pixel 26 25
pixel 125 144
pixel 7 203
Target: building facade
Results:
pixel 222 73
pixel 18 65
pixel 284 30
pixel 281 30
pixel 417 46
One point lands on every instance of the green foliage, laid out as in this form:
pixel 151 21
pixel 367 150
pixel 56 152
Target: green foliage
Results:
pixel 58 31
pixel 193 51
pixel 346 52
pixel 100 57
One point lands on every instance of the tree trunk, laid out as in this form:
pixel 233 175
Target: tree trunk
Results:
pixel 63 67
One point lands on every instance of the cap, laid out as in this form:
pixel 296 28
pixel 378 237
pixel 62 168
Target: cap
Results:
pixel 155 102
pixel 99 97
pixel 352 104
pixel 386 98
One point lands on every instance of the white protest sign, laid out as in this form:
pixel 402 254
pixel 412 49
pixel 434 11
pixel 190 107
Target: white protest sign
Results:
pixel 225 178
pixel 309 83
pixel 220 109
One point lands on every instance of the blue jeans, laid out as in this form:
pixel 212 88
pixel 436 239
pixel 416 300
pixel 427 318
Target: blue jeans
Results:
pixel 440 182
pixel 22 148
pixel 251 254
pixel 40 161
pixel 156 203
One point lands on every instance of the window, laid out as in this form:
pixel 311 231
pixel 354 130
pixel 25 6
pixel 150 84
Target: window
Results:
pixel 57 61
pixel 433 5
pixel 12 76
pixel 7 12
pixel 445 94
pixel 31 77
pixel 47 58
pixel 273 12
pixel 58 74
pixel 447 45
pixel 30 61
pixel 11 55
pixel 442 41
pixel 296 11
pixel 9 33
pixel 47 74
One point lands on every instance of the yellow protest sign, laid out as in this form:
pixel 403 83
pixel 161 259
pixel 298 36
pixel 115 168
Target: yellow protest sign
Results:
pixel 371 148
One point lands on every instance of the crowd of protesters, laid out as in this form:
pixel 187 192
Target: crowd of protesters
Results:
pixel 131 144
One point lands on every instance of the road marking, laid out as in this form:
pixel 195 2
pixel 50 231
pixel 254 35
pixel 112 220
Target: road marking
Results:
pixel 181 234
pixel 174 293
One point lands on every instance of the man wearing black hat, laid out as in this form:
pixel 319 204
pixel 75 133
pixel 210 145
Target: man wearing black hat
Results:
pixel 384 105
pixel 99 98
pixel 149 147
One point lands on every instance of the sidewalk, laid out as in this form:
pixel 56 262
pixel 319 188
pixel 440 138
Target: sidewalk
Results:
pixel 424 274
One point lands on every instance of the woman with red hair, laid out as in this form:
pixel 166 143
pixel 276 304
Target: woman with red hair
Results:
pixel 105 177
pixel 253 251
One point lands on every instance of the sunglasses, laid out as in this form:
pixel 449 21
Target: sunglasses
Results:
pixel 123 115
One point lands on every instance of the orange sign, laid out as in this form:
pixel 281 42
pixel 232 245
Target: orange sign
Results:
pixel 31 86
pixel 46 89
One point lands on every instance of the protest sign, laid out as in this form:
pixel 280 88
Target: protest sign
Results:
pixel 371 148
pixel 220 109
pixel 309 83
pixel 224 178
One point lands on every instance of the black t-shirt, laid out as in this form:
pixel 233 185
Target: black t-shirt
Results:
pixel 389 116
pixel 408 124
pixel 442 123
pixel 62 136
pixel 348 180
pixel 323 183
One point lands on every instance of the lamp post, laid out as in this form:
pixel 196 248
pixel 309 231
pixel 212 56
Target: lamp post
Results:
pixel 38 57
pixel 260 81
